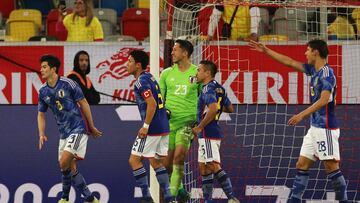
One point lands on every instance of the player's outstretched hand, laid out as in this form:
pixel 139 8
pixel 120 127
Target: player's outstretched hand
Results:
pixel 42 140
pixel 257 46
pixel 295 119
pixel 95 132
pixel 143 132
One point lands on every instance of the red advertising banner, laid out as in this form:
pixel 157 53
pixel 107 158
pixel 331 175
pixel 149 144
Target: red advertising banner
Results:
pixel 249 76
pixel 252 77
pixel 19 72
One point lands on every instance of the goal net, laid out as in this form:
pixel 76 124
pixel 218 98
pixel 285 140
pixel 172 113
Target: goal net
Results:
pixel 259 151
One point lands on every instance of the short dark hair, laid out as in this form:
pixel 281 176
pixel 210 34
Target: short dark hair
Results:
pixel 184 44
pixel 140 57
pixel 320 46
pixel 52 61
pixel 209 65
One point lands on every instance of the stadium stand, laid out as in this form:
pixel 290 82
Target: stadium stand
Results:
pixel 135 22
pixel 42 38
pixel 1 21
pixel 120 38
pixel 23 24
pixel 356 16
pixel 44 6
pixel 108 20
pixel 118 5
pixel 6 6
pixel 290 22
pixel 51 21
pixel 203 21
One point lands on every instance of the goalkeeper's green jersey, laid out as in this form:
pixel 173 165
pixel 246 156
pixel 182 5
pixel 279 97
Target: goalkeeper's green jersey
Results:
pixel 180 95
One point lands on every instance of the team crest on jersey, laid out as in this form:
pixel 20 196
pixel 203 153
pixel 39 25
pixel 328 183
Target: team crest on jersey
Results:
pixel 219 90
pixel 61 93
pixel 312 92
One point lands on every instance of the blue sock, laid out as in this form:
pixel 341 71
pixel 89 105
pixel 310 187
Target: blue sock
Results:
pixel 207 186
pixel 163 179
pixel 299 185
pixel 225 183
pixel 142 180
pixel 80 184
pixel 66 184
pixel 339 184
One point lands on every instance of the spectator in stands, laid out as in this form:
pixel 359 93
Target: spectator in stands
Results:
pixel 81 25
pixel 78 74
pixel 245 23
pixel 342 28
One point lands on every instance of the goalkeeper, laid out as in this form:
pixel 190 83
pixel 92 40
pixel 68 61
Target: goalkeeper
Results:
pixel 180 96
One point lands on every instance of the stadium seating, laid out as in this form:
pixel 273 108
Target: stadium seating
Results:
pixel 108 20
pixel 118 5
pixel 42 38
pixel 6 6
pixel 290 22
pixel 23 24
pixel 120 38
pixel 69 3
pixel 1 21
pixel 264 22
pixel 356 16
pixel 44 6
pixel 135 22
pixel 203 21
pixel 51 21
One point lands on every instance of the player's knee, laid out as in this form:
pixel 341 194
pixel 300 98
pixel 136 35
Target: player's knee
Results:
pixel 64 165
pixel 134 161
pixel 331 165
pixel 302 165
pixel 215 167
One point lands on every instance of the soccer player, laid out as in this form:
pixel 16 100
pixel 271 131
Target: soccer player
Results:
pixel 180 96
pixel 152 139
pixel 68 104
pixel 212 102
pixel 322 139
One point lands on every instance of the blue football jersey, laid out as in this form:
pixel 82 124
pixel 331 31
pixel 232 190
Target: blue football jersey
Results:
pixel 146 86
pixel 320 81
pixel 62 100
pixel 212 92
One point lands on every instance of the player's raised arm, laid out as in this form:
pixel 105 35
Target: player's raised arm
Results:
pixel 287 61
pixel 84 105
pixel 41 127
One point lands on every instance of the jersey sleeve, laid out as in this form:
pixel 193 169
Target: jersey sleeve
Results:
pixel 77 92
pixel 328 82
pixel 42 106
pixel 308 69
pixel 162 81
pixel 210 97
pixel 97 29
pixel 144 88
pixel 227 101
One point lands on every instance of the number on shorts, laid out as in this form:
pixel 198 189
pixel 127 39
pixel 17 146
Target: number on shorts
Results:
pixel 321 146
pixel 72 139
